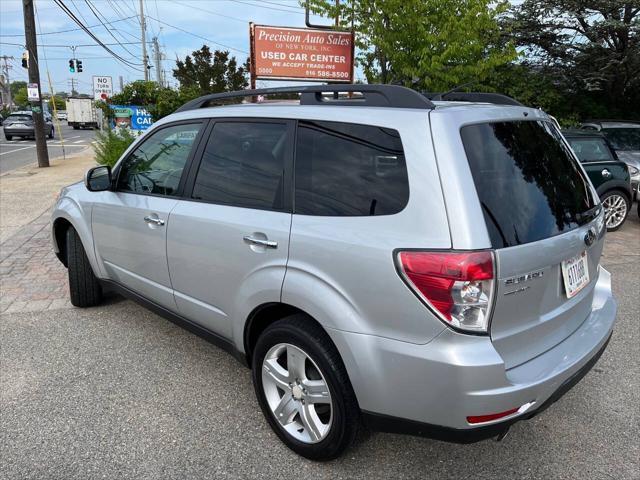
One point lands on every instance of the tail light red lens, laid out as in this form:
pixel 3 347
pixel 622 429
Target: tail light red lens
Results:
pixel 458 286
pixel 490 417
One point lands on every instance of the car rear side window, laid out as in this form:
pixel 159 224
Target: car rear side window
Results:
pixel 590 149
pixel 243 165
pixel 529 185
pixel 344 169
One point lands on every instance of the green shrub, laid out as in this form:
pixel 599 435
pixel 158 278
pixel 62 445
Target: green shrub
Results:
pixel 111 144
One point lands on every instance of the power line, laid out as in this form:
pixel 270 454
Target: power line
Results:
pixel 198 36
pixel 71 15
pixel 79 45
pixel 62 31
pixel 268 8
pixel 95 14
pixel 211 12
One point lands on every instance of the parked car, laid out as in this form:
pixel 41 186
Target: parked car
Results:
pixel 20 124
pixel 624 136
pixel 61 115
pixel 426 267
pixel 609 175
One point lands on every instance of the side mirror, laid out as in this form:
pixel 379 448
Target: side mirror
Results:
pixel 98 179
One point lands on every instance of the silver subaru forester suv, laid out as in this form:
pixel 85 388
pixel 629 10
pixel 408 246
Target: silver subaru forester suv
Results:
pixel 379 258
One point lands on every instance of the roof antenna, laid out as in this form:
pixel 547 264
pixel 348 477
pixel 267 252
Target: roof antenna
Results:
pixel 441 96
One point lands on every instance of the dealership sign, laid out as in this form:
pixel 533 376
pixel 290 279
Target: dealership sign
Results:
pixel 102 88
pixel 301 54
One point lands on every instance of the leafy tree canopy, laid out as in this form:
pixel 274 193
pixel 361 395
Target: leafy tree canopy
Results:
pixel 211 72
pixel 432 45
pixel 588 49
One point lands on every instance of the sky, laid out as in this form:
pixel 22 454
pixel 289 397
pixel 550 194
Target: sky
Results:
pixel 181 27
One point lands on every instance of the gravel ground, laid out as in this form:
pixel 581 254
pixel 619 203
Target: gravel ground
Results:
pixel 118 392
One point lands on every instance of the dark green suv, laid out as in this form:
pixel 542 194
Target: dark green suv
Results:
pixel 609 175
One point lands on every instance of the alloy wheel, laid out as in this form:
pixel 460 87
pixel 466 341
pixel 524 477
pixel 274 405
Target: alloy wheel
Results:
pixel 297 393
pixel 615 210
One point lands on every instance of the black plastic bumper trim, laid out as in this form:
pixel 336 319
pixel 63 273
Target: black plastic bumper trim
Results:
pixel 386 423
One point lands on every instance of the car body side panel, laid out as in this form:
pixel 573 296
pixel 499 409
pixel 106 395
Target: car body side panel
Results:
pixel 341 270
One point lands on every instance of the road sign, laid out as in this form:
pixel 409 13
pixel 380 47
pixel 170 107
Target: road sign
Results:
pixel 281 53
pixel 33 95
pixel 102 88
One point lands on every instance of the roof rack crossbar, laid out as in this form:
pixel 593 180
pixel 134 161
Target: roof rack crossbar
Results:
pixel 393 96
pixel 496 98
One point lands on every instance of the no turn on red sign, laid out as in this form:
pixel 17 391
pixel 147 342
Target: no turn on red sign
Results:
pixel 102 88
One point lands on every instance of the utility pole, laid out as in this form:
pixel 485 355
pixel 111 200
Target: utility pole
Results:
pixel 157 56
pixel 144 42
pixel 72 81
pixel 121 83
pixel 34 77
pixel 8 81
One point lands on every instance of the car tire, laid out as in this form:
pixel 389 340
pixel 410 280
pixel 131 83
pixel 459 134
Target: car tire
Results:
pixel 75 127
pixel 84 288
pixel 617 206
pixel 320 429
pixel 51 133
pixel 8 137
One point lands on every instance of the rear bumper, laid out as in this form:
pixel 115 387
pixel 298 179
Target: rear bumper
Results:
pixel 19 131
pixel 431 389
pixel 384 423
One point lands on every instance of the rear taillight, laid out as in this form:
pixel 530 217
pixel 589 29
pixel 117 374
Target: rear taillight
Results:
pixel 457 286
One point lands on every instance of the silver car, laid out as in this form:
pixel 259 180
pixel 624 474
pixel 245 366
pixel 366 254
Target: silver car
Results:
pixel 21 124
pixel 416 266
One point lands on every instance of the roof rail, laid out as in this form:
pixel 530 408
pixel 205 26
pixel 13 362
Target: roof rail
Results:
pixel 393 96
pixel 497 98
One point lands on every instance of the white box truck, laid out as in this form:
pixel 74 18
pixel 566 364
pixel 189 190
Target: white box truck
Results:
pixel 81 113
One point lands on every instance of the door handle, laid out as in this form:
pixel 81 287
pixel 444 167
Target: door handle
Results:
pixel 258 241
pixel 156 221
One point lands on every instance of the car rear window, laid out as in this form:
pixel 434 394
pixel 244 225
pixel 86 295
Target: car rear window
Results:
pixel 529 185
pixel 623 138
pixel 19 118
pixel 590 149
pixel 347 170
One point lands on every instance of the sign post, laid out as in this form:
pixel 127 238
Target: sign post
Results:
pixel 102 88
pixel 304 54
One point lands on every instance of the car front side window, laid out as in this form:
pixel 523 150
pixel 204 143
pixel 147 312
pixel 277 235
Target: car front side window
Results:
pixel 156 166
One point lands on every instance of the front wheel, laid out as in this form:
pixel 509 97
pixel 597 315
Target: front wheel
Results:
pixel 51 133
pixel 616 206
pixel 84 288
pixel 8 137
pixel 303 389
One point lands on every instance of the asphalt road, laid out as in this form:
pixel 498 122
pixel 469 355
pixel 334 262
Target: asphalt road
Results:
pixel 20 152
pixel 118 392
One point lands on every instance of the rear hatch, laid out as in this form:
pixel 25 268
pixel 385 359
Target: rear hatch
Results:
pixel 545 225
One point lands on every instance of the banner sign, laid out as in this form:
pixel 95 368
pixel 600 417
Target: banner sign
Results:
pixel 102 88
pixel 131 116
pixel 281 53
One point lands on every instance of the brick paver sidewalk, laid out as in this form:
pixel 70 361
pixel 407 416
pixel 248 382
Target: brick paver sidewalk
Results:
pixel 31 276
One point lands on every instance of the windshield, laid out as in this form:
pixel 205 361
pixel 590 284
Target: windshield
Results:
pixel 590 149
pixel 623 138
pixel 529 184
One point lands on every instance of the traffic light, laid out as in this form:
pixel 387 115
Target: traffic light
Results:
pixel 79 66
pixel 25 59
pixel 72 65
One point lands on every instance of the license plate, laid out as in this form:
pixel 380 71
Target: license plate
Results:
pixel 18 125
pixel 575 273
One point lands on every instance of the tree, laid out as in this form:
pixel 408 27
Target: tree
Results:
pixel 432 45
pixel 208 72
pixel 589 50
pixel 19 94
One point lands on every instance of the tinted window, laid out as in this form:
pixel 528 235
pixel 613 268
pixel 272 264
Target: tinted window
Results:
pixel 623 138
pixel 243 165
pixel 529 185
pixel 590 149
pixel 19 118
pixel 344 169
pixel 155 167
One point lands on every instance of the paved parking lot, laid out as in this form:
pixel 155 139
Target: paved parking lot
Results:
pixel 118 392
